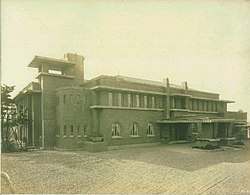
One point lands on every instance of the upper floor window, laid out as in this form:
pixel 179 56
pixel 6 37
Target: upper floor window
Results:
pixel 119 99
pixel 129 100
pixel 153 102
pixel 116 130
pixel 150 129
pixel 145 101
pixel 110 98
pixel 137 101
pixel 134 129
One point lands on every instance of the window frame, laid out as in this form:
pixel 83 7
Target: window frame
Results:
pixel 117 128
pixel 150 128
pixel 134 128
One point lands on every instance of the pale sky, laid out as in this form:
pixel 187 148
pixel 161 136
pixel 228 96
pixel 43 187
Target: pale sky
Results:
pixel 206 43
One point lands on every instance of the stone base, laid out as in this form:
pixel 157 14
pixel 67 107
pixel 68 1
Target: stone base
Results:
pixel 203 142
pixel 226 141
pixel 95 146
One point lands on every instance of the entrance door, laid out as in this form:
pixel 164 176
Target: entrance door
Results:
pixel 179 132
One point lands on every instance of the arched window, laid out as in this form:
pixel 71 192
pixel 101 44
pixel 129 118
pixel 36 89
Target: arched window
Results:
pixel 116 130
pixel 78 99
pixel 134 129
pixel 150 129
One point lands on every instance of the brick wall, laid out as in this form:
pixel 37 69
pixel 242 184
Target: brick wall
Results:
pixel 125 118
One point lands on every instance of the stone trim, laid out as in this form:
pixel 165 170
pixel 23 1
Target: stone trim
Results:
pixel 126 108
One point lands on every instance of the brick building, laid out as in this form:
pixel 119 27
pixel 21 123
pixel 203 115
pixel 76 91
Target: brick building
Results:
pixel 65 111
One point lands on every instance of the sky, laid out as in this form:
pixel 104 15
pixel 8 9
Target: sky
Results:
pixel 206 43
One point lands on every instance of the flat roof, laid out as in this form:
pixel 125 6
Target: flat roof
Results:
pixel 55 64
pixel 195 120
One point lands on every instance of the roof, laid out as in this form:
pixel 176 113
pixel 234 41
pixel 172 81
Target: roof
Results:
pixel 33 87
pixel 55 64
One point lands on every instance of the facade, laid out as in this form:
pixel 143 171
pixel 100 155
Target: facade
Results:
pixel 68 112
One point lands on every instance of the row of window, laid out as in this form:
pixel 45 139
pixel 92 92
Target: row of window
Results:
pixel 69 130
pixel 72 99
pixel 134 130
pixel 115 130
pixel 134 100
pixel 194 104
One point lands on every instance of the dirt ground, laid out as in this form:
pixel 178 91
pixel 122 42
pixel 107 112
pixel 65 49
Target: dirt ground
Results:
pixel 168 169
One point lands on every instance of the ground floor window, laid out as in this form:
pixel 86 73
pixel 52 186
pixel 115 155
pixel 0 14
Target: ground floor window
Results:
pixel 150 129
pixel 71 131
pixel 78 131
pixel 116 130
pixel 85 130
pixel 134 129
pixel 64 130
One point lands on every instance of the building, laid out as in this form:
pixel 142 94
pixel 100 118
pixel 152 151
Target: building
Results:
pixel 65 111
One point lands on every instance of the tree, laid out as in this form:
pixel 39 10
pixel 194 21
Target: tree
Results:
pixel 8 116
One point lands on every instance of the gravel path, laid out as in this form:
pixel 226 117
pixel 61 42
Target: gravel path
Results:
pixel 171 169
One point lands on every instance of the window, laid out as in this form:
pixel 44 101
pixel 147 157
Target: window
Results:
pixel 71 99
pixel 110 99
pixel 64 130
pixel 194 127
pixel 119 99
pixel 71 131
pixel 145 102
pixel 153 102
pixel 85 130
pixel 78 131
pixel 137 101
pixel 150 129
pixel 78 99
pixel 116 130
pixel 129 100
pixel 134 130
pixel 57 130
pixel 64 99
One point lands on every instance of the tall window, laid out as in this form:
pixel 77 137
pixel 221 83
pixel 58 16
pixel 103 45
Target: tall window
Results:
pixel 137 101
pixel 129 100
pixel 119 99
pixel 134 129
pixel 78 99
pixel 116 130
pixel 153 102
pixel 57 130
pixel 64 130
pixel 64 99
pixel 110 99
pixel 145 101
pixel 78 130
pixel 71 130
pixel 150 129
pixel 85 130
pixel 71 99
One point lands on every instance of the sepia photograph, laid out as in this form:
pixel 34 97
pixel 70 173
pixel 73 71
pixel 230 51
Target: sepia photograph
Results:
pixel 125 97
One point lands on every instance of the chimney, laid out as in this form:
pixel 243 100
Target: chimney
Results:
pixel 166 82
pixel 184 85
